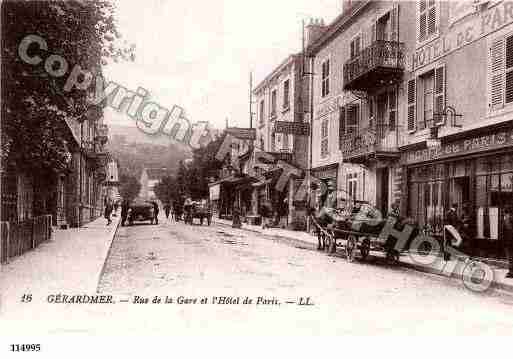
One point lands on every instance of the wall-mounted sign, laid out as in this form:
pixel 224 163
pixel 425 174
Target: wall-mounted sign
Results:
pixel 293 128
pixel 329 107
pixel 242 133
pixel 215 191
pixel 478 26
pixel 476 144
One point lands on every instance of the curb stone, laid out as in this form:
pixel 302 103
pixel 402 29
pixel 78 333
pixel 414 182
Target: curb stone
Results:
pixel 112 235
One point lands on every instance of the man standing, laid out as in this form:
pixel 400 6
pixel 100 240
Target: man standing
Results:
pixel 508 238
pixel 125 205
pixel 155 211
pixel 108 210
pixel 167 209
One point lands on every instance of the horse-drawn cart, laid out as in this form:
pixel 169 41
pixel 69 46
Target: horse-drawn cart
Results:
pixel 200 210
pixel 361 230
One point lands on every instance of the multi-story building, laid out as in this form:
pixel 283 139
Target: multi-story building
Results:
pixel 458 130
pixel 358 66
pixel 279 99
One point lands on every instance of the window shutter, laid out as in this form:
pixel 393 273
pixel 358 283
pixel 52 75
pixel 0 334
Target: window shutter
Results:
pixel 431 20
pixel 439 94
pixel 497 74
pixel 509 68
pixel 422 26
pixel 411 105
pixel 341 125
pixel 394 13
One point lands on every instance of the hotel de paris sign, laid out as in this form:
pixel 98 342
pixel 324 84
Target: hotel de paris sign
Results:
pixel 465 33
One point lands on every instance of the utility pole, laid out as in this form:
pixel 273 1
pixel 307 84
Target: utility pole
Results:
pixel 251 100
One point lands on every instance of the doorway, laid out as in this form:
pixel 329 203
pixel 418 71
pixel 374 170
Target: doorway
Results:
pixel 382 200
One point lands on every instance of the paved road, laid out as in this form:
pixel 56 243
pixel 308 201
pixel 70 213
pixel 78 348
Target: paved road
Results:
pixel 173 259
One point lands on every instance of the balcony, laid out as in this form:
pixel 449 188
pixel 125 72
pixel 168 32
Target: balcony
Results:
pixel 102 133
pixel 380 64
pixel 378 142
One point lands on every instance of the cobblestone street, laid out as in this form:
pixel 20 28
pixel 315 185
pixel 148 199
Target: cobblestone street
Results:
pixel 349 298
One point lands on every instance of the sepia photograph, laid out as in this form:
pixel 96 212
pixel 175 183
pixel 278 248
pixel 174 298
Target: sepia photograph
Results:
pixel 236 168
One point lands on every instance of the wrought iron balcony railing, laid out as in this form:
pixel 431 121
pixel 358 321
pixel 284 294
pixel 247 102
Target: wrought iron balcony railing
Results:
pixel 373 140
pixel 378 64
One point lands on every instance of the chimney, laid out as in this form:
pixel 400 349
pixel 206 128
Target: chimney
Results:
pixel 314 30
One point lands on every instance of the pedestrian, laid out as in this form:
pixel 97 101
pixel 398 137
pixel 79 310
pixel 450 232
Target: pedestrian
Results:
pixel 155 212
pixel 167 209
pixel 108 210
pixel 508 238
pixel 125 205
pixel 451 219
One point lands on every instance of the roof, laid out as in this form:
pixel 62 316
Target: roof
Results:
pixel 338 24
pixel 157 173
pixel 276 71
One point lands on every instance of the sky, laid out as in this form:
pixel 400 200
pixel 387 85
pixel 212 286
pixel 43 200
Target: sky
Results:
pixel 198 53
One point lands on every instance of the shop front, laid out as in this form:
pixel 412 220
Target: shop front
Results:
pixel 475 176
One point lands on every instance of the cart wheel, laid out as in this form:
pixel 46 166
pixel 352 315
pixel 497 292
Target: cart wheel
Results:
pixel 365 248
pixel 350 248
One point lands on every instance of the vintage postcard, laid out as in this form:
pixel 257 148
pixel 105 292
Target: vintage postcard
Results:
pixel 255 168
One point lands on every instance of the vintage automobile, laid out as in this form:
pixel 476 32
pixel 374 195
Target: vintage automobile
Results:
pixel 140 211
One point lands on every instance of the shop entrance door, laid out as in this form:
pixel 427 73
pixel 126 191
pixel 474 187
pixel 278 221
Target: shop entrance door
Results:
pixel 382 190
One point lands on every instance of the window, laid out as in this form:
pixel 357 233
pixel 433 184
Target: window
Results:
pixel 500 76
pixel 273 142
pixel 392 110
pixel 324 139
pixel 383 28
pixel 427 21
pixel 325 78
pixel 285 141
pixel 348 120
pixel 427 93
pixel 273 104
pixel 352 118
pixel 352 185
pixel 426 107
pixel 355 46
pixel 286 94
pixel 262 109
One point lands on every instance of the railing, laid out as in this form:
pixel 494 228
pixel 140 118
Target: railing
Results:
pixel 377 138
pixel 20 237
pixel 381 53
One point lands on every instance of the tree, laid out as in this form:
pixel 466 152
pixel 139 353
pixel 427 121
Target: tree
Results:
pixel 129 187
pixel 167 190
pixel 35 107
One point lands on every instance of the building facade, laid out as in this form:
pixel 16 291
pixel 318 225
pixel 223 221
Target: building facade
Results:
pixel 280 100
pixel 458 144
pixel 358 62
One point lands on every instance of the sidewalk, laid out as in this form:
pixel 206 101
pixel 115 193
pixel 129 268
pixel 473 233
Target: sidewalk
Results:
pixel 72 261
pixel 500 281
